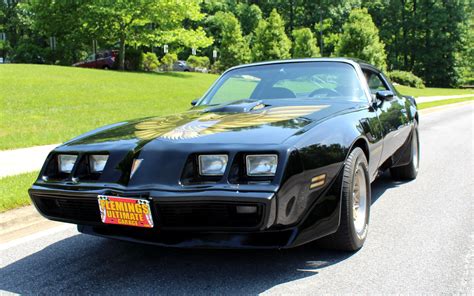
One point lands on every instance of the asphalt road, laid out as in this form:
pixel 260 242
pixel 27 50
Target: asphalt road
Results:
pixel 421 239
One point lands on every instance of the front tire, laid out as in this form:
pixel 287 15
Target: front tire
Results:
pixel 355 204
pixel 409 171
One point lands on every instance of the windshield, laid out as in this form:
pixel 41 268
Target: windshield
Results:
pixel 309 80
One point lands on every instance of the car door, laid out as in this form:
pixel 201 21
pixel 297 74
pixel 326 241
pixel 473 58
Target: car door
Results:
pixel 392 114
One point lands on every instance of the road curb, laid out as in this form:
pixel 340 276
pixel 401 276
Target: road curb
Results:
pixel 23 215
pixel 18 221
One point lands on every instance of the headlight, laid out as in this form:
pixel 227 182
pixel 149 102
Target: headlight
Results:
pixel 212 165
pixel 66 162
pixel 261 165
pixel 97 163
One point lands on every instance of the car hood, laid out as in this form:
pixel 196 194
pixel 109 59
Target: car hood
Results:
pixel 242 122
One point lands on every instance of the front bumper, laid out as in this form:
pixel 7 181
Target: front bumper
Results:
pixel 195 219
pixel 184 219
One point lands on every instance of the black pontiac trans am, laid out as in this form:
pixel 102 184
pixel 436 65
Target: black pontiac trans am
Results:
pixel 274 155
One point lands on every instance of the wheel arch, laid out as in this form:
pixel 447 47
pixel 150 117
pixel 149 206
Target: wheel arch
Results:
pixel 363 144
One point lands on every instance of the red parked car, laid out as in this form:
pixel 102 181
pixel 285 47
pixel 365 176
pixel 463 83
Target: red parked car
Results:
pixel 101 60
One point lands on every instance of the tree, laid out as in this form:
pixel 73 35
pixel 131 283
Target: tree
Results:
pixel 233 48
pixel 325 16
pixel 304 44
pixel 145 22
pixel 360 39
pixel 249 16
pixel 62 20
pixel 428 38
pixel 270 41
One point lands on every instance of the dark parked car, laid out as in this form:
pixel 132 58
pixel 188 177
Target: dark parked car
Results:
pixel 181 66
pixel 274 155
pixel 101 60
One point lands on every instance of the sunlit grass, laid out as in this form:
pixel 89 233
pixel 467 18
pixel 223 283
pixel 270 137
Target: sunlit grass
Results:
pixel 50 104
pixel 14 190
pixel 443 102
pixel 431 91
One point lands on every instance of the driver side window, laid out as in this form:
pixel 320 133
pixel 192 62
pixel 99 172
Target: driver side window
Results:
pixel 375 83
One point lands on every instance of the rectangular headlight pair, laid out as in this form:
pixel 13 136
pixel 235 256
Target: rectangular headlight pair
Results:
pixel 66 162
pixel 257 165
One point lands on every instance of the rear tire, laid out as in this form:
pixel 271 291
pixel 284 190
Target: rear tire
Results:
pixel 355 205
pixel 409 171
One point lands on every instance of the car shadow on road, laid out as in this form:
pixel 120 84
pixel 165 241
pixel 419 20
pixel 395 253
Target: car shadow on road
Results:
pixel 86 264
pixel 383 183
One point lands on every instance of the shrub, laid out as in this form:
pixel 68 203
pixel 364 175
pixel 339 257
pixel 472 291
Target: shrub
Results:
pixel 149 61
pixel 29 53
pixel 195 61
pixel 168 60
pixel 217 68
pixel 406 78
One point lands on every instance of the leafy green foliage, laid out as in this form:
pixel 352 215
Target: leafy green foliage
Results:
pixel 249 16
pixel 149 61
pixel 62 20
pixel 168 60
pixel 360 39
pixel 198 62
pixel 406 78
pixel 325 16
pixel 270 40
pixel 432 39
pixel 304 45
pixel 136 22
pixel 428 38
pixel 234 49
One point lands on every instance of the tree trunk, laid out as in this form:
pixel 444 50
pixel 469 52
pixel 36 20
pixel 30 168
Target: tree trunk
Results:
pixel 122 52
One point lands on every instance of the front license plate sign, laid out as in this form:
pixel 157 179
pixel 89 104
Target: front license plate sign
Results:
pixel 125 211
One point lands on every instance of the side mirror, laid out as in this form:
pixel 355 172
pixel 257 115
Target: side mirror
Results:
pixel 194 102
pixel 384 95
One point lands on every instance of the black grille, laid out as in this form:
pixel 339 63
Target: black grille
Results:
pixel 207 215
pixel 80 209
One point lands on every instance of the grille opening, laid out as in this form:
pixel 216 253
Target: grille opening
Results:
pixel 207 214
pixel 82 209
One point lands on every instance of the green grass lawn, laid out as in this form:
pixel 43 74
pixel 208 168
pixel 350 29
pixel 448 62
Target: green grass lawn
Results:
pixel 443 102
pixel 14 190
pixel 50 104
pixel 432 91
pixel 43 104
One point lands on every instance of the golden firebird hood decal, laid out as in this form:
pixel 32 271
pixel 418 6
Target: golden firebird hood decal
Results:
pixel 178 127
